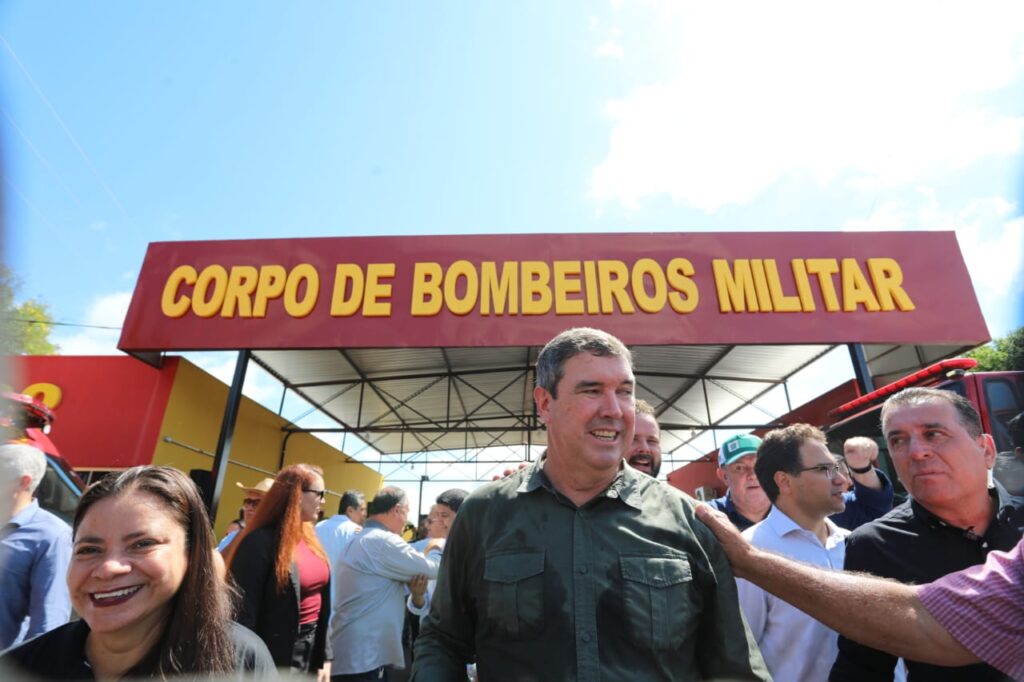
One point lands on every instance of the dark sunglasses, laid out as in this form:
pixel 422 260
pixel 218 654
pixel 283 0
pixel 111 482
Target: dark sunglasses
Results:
pixel 250 502
pixel 318 493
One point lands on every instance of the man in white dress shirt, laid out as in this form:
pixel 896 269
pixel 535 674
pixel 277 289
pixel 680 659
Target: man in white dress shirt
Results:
pixel 805 484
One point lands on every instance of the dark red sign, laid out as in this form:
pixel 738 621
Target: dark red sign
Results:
pixel 512 290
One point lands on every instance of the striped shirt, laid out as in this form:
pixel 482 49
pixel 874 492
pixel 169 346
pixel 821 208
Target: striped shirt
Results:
pixel 982 607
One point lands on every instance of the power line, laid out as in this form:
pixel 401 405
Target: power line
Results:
pixel 60 324
pixel 67 131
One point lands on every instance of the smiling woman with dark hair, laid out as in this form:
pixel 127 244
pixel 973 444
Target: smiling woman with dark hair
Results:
pixel 144 580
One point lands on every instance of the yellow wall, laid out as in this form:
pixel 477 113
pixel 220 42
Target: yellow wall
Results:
pixel 194 413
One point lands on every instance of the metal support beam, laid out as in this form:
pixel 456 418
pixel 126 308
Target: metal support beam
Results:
pixel 860 368
pixel 227 430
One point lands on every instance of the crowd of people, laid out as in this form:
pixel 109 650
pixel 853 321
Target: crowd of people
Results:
pixel 579 565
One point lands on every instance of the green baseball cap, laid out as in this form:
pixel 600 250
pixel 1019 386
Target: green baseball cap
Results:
pixel 736 447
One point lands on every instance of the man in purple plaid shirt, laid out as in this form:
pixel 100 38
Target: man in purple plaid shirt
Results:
pixel 973 615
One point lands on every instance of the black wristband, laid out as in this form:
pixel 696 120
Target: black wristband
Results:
pixel 866 469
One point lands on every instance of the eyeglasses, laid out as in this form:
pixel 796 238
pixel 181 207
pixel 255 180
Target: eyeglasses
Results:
pixel 250 502
pixel 318 493
pixel 830 470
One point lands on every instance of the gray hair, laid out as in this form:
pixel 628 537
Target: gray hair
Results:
pixel 572 342
pixel 910 397
pixel 386 500
pixel 18 459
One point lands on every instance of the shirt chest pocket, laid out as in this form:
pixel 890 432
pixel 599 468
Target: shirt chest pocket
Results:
pixel 658 599
pixel 514 587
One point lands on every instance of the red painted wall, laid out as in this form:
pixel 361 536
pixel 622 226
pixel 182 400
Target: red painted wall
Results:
pixel 111 407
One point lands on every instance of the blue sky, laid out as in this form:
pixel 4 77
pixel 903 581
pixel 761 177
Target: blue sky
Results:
pixel 124 123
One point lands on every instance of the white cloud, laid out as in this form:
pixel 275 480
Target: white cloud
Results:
pixel 991 238
pixel 105 311
pixel 876 94
pixel 611 49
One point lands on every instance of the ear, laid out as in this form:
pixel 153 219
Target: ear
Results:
pixel 24 482
pixel 543 399
pixel 721 475
pixel 783 481
pixel 990 450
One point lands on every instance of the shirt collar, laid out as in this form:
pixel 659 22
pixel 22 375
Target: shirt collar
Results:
pixel 781 524
pixel 23 517
pixel 625 486
pixel 1006 505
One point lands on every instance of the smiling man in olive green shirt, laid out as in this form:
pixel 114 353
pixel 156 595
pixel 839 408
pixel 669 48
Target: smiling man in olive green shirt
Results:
pixel 580 568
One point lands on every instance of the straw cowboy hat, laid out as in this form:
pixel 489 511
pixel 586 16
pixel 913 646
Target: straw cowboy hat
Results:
pixel 261 488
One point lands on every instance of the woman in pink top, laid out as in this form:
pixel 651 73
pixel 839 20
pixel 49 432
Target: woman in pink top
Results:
pixel 284 575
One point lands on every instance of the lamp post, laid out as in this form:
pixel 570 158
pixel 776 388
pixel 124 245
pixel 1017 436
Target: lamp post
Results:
pixel 419 511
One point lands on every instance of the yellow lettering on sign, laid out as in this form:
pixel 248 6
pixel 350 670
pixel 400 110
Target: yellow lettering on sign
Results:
pixel 348 290
pixel 590 277
pixel 426 290
pixel 803 285
pixel 648 269
pixel 499 293
pixel 856 290
pixel 887 277
pixel 171 304
pixel 461 305
pixel 242 280
pixel 271 285
pixel 764 296
pixel 567 282
pixel 781 302
pixel 824 268
pixel 301 274
pixel 49 394
pixel 536 287
pixel 208 295
pixel 735 286
pixel 614 277
pixel 684 296
pixel 376 291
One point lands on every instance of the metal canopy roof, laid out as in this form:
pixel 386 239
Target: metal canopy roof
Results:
pixel 408 401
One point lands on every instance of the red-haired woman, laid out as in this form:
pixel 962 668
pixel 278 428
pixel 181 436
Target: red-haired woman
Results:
pixel 284 574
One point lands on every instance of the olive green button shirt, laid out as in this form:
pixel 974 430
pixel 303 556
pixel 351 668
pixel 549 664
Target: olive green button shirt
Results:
pixel 630 586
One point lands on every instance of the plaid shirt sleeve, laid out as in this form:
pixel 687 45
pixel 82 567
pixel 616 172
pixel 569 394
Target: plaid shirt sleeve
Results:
pixel 982 607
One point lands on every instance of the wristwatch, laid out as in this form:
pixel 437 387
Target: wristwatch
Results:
pixel 866 469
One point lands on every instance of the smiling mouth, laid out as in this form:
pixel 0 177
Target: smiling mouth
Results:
pixel 607 435
pixel 640 461
pixel 113 597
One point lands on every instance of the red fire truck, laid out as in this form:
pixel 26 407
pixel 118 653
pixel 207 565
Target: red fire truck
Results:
pixel 24 419
pixel 998 397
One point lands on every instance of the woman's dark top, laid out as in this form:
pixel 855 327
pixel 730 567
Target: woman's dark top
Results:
pixel 314 574
pixel 60 654
pixel 273 615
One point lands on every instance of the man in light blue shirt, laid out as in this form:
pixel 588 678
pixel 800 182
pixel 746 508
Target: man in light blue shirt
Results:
pixel 805 484
pixel 35 550
pixel 336 532
pixel 369 604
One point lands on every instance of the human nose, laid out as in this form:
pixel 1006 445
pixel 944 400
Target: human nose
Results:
pixel 112 567
pixel 611 405
pixel 917 447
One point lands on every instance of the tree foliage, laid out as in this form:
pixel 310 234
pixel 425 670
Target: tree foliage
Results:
pixel 25 325
pixel 1004 354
